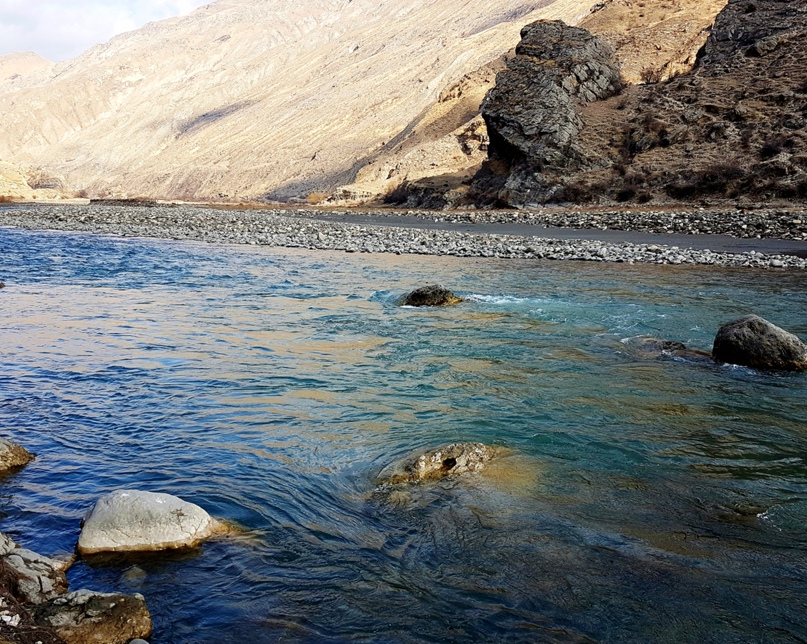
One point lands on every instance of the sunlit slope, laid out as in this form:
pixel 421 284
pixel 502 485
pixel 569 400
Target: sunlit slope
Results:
pixel 245 98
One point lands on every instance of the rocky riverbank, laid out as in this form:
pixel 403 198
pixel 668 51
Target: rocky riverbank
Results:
pixel 323 230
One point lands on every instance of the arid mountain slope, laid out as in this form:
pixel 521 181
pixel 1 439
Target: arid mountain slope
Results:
pixel 15 66
pixel 253 98
pixel 735 127
pixel 652 41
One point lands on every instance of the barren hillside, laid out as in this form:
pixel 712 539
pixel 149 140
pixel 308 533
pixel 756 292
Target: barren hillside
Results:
pixel 255 98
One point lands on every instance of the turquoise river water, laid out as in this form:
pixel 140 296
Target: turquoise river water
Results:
pixel 642 499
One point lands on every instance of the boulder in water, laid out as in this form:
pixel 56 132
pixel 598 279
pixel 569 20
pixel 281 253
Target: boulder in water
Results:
pixel 446 461
pixel 131 520
pixel 13 456
pixel 649 347
pixel 752 341
pixel 434 295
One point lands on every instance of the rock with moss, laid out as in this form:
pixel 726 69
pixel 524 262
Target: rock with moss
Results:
pixel 433 295
pixel 752 341
pixel 13 456
pixel 454 459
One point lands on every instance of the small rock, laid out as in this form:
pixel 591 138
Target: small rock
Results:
pixel 752 341
pixel 13 456
pixel 434 295
pixel 449 460
pixel 649 347
pixel 131 520
pixel 38 578
pixel 84 617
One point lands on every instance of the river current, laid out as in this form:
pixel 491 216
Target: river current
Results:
pixel 641 499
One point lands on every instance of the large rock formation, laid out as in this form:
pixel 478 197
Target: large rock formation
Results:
pixel 132 520
pixel 532 114
pixel 752 341
pixel 731 128
pixel 258 98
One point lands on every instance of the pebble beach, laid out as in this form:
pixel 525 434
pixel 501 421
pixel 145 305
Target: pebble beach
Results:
pixel 339 231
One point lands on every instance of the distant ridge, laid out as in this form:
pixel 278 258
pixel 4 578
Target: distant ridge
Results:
pixel 246 99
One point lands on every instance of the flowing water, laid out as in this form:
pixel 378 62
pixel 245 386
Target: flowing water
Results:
pixel 641 499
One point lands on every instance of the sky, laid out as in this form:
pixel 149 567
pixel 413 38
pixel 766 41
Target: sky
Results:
pixel 62 29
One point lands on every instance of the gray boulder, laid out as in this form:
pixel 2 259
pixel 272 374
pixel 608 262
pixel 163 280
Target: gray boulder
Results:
pixel 450 460
pixel 434 295
pixel 87 617
pixel 13 456
pixel 752 341
pixel 131 520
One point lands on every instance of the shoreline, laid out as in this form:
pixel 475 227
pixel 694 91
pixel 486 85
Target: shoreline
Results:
pixel 779 237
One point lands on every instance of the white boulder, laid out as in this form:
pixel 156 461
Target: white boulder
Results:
pixel 131 520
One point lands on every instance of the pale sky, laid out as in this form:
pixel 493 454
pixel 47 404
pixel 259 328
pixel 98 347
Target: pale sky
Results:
pixel 62 29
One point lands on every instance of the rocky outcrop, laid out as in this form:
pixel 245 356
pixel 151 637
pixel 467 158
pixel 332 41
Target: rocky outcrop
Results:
pixel 433 295
pixel 12 456
pixel 733 128
pixel 35 605
pixel 450 460
pixel 132 520
pixel 532 114
pixel 752 341
pixel 86 617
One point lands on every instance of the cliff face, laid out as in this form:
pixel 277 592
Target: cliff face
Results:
pixel 532 114
pixel 256 98
pixel 731 128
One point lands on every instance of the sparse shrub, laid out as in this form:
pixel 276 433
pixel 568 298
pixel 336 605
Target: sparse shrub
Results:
pixel 644 197
pixel 801 188
pixel 626 193
pixel 773 147
pixel 650 75
pixel 316 198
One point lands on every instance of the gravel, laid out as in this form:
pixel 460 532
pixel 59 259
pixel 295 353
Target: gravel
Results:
pixel 318 230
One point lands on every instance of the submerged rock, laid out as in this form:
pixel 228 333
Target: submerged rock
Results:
pixel 752 341
pixel 84 616
pixel 649 347
pixel 131 520
pixel 434 295
pixel 450 460
pixel 13 456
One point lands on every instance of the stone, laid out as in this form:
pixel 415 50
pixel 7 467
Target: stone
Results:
pixel 752 341
pixel 13 456
pixel 450 460
pixel 87 617
pixel 434 295
pixel 132 520
pixel 39 578
pixel 650 347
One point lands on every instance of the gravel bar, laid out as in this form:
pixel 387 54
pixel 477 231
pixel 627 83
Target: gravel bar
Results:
pixel 322 230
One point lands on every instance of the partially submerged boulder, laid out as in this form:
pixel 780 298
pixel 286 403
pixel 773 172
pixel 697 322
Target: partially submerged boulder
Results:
pixel 450 460
pixel 433 295
pixel 649 347
pixel 85 617
pixel 752 341
pixel 13 456
pixel 132 520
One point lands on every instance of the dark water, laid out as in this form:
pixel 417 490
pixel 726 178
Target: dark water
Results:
pixel 646 499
